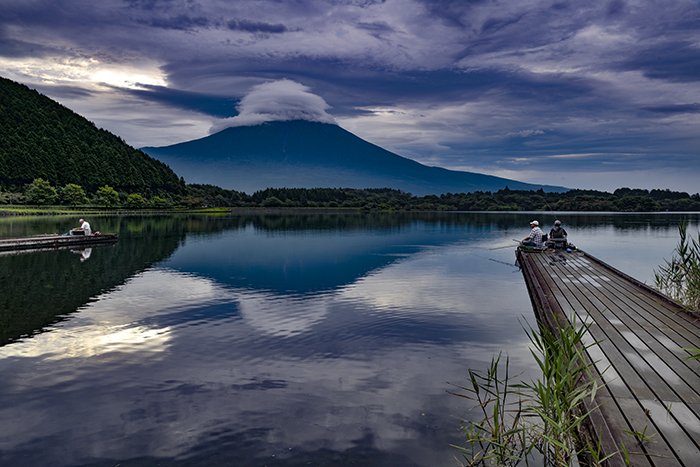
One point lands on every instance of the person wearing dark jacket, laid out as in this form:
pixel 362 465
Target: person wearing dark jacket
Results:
pixel 558 235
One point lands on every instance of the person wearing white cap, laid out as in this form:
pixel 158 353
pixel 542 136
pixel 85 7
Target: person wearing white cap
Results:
pixel 535 237
pixel 85 227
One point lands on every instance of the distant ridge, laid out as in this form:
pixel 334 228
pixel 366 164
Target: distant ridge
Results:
pixel 304 154
pixel 41 138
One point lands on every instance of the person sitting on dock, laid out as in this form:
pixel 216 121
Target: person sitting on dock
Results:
pixel 558 235
pixel 535 237
pixel 84 228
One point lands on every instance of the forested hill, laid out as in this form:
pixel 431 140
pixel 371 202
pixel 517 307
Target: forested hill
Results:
pixel 39 138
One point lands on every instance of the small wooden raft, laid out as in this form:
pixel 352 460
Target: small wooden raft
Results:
pixel 41 242
pixel 640 347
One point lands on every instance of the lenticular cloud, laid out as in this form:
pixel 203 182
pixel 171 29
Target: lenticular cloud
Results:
pixel 278 101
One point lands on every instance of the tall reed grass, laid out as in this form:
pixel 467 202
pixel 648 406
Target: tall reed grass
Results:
pixel 538 422
pixel 679 277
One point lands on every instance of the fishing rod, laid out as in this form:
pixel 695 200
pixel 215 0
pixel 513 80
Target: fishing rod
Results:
pixel 505 246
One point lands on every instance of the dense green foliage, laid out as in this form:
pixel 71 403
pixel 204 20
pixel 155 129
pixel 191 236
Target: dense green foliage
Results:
pixel 107 196
pixel 135 200
pixel 40 138
pixel 73 194
pixel 41 192
pixel 623 199
pixel 210 196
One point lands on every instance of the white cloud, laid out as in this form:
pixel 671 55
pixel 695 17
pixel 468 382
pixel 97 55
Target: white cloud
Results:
pixel 279 100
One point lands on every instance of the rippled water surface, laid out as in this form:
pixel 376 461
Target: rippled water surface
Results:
pixel 309 339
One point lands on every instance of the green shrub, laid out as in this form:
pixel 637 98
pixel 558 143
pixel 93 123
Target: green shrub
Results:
pixel 272 202
pixel 41 192
pixel 107 196
pixel 73 194
pixel 135 200
pixel 160 202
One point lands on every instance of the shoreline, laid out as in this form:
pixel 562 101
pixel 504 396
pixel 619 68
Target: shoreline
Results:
pixel 12 211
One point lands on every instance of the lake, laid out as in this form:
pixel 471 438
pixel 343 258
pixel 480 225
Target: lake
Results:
pixel 272 340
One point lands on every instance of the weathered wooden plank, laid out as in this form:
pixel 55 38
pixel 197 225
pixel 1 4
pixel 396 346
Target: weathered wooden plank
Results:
pixel 636 332
pixel 614 346
pixel 675 340
pixel 643 296
pixel 643 380
pixel 645 438
pixel 650 296
pixel 653 450
pixel 653 347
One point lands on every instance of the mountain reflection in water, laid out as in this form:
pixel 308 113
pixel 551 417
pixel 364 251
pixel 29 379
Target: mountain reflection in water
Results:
pixel 269 340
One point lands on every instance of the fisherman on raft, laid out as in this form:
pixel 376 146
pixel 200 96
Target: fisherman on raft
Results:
pixel 84 228
pixel 535 238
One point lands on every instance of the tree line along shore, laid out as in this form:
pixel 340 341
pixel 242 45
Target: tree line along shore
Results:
pixel 42 194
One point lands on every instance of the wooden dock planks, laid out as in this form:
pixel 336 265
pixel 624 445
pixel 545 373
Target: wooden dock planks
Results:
pixel 640 352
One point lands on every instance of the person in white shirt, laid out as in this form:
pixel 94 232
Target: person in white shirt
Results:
pixel 85 227
pixel 535 237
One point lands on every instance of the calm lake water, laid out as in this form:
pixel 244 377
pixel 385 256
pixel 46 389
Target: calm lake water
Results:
pixel 309 339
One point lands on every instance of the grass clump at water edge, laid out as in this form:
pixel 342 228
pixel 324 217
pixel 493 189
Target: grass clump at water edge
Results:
pixel 537 422
pixel 679 278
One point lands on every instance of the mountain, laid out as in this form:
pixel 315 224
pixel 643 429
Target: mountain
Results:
pixel 41 138
pixel 303 154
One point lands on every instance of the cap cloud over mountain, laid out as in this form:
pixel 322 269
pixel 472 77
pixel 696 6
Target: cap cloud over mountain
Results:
pixel 280 100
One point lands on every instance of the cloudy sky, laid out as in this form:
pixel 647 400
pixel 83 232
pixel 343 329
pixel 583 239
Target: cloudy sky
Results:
pixel 597 94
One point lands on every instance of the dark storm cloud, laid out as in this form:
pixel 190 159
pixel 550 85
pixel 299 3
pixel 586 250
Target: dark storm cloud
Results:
pixel 451 12
pixel 255 26
pixel 150 5
pixel 675 109
pixel 49 14
pixel 376 29
pixel 671 60
pixel 62 92
pixel 496 24
pixel 355 85
pixel 615 9
pixel 19 48
pixel 570 151
pixel 208 104
pixel 179 22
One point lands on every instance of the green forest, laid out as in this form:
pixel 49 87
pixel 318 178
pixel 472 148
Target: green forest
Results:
pixel 194 196
pixel 40 138
pixel 623 199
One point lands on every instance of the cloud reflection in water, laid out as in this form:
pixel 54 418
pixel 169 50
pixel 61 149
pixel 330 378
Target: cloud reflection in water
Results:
pixel 176 365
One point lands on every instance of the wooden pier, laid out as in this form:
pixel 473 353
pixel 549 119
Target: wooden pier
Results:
pixel 43 242
pixel 640 341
